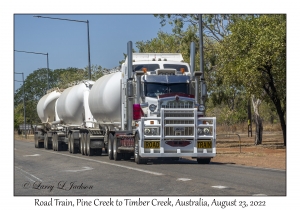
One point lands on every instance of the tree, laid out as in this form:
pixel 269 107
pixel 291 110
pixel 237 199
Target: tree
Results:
pixel 254 56
pixel 214 26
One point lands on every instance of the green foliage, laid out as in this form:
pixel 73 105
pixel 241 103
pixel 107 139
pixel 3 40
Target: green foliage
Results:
pixel 254 56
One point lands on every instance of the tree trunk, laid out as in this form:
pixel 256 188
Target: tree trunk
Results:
pixel 258 121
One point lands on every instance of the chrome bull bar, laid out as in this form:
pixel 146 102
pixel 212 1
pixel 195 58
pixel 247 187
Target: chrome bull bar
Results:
pixel 169 129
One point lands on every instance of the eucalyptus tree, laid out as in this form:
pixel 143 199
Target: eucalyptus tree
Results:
pixel 254 55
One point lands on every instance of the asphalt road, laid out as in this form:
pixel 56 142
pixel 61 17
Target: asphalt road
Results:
pixel 40 172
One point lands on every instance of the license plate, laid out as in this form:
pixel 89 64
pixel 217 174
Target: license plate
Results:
pixel 204 144
pixel 151 144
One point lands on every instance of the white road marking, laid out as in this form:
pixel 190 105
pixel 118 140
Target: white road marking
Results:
pixel 112 164
pixel 259 195
pixel 219 187
pixel 83 169
pixel 183 179
pixel 29 178
pixel 32 155
pixel 22 171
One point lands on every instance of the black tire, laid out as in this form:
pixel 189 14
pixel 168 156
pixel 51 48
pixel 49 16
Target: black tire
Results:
pixel 84 144
pixel 54 142
pixel 58 144
pixel 69 142
pixel 137 157
pixel 81 143
pixel 117 156
pixel 110 147
pixel 45 141
pixel 35 141
pixel 203 160
pixel 89 151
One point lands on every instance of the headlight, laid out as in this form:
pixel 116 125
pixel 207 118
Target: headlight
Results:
pixel 152 107
pixel 199 130
pixel 201 108
pixel 206 131
pixel 147 131
pixel 151 131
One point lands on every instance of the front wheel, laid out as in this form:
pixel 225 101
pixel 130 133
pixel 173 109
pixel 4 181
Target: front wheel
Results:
pixel 46 141
pixel 203 160
pixel 110 146
pixel 137 157
pixel 117 156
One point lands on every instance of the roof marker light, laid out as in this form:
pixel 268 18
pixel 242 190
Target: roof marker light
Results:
pixel 182 70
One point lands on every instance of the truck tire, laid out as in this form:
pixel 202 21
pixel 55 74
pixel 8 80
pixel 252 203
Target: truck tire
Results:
pixel 45 141
pixel 35 140
pixel 137 157
pixel 84 143
pixel 69 143
pixel 110 146
pixel 117 156
pixel 203 160
pixel 89 151
pixel 53 142
pixel 81 144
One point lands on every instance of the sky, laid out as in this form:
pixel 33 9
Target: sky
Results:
pixel 66 42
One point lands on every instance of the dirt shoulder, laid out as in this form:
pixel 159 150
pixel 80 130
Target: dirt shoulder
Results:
pixel 240 150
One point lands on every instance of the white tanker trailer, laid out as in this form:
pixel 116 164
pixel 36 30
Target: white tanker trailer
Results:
pixel 47 114
pixel 148 109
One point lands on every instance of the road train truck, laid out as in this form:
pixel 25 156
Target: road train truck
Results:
pixel 148 109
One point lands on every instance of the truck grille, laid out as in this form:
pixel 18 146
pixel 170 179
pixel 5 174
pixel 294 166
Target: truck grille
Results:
pixel 182 131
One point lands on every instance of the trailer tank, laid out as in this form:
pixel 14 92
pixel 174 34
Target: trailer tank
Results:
pixel 46 106
pixel 105 98
pixel 72 105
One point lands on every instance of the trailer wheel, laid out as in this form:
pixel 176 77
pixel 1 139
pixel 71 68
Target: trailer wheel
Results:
pixel 84 143
pixel 203 160
pixel 89 151
pixel 45 141
pixel 69 142
pixel 81 143
pixel 54 141
pixel 110 146
pixel 137 157
pixel 35 141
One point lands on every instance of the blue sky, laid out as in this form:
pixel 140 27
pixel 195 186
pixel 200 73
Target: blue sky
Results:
pixel 66 41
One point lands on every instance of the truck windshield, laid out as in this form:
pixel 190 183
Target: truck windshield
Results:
pixel 156 89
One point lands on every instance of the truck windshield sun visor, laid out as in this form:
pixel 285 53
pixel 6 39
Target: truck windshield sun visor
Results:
pixel 156 89
pixel 176 66
pixel 150 67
